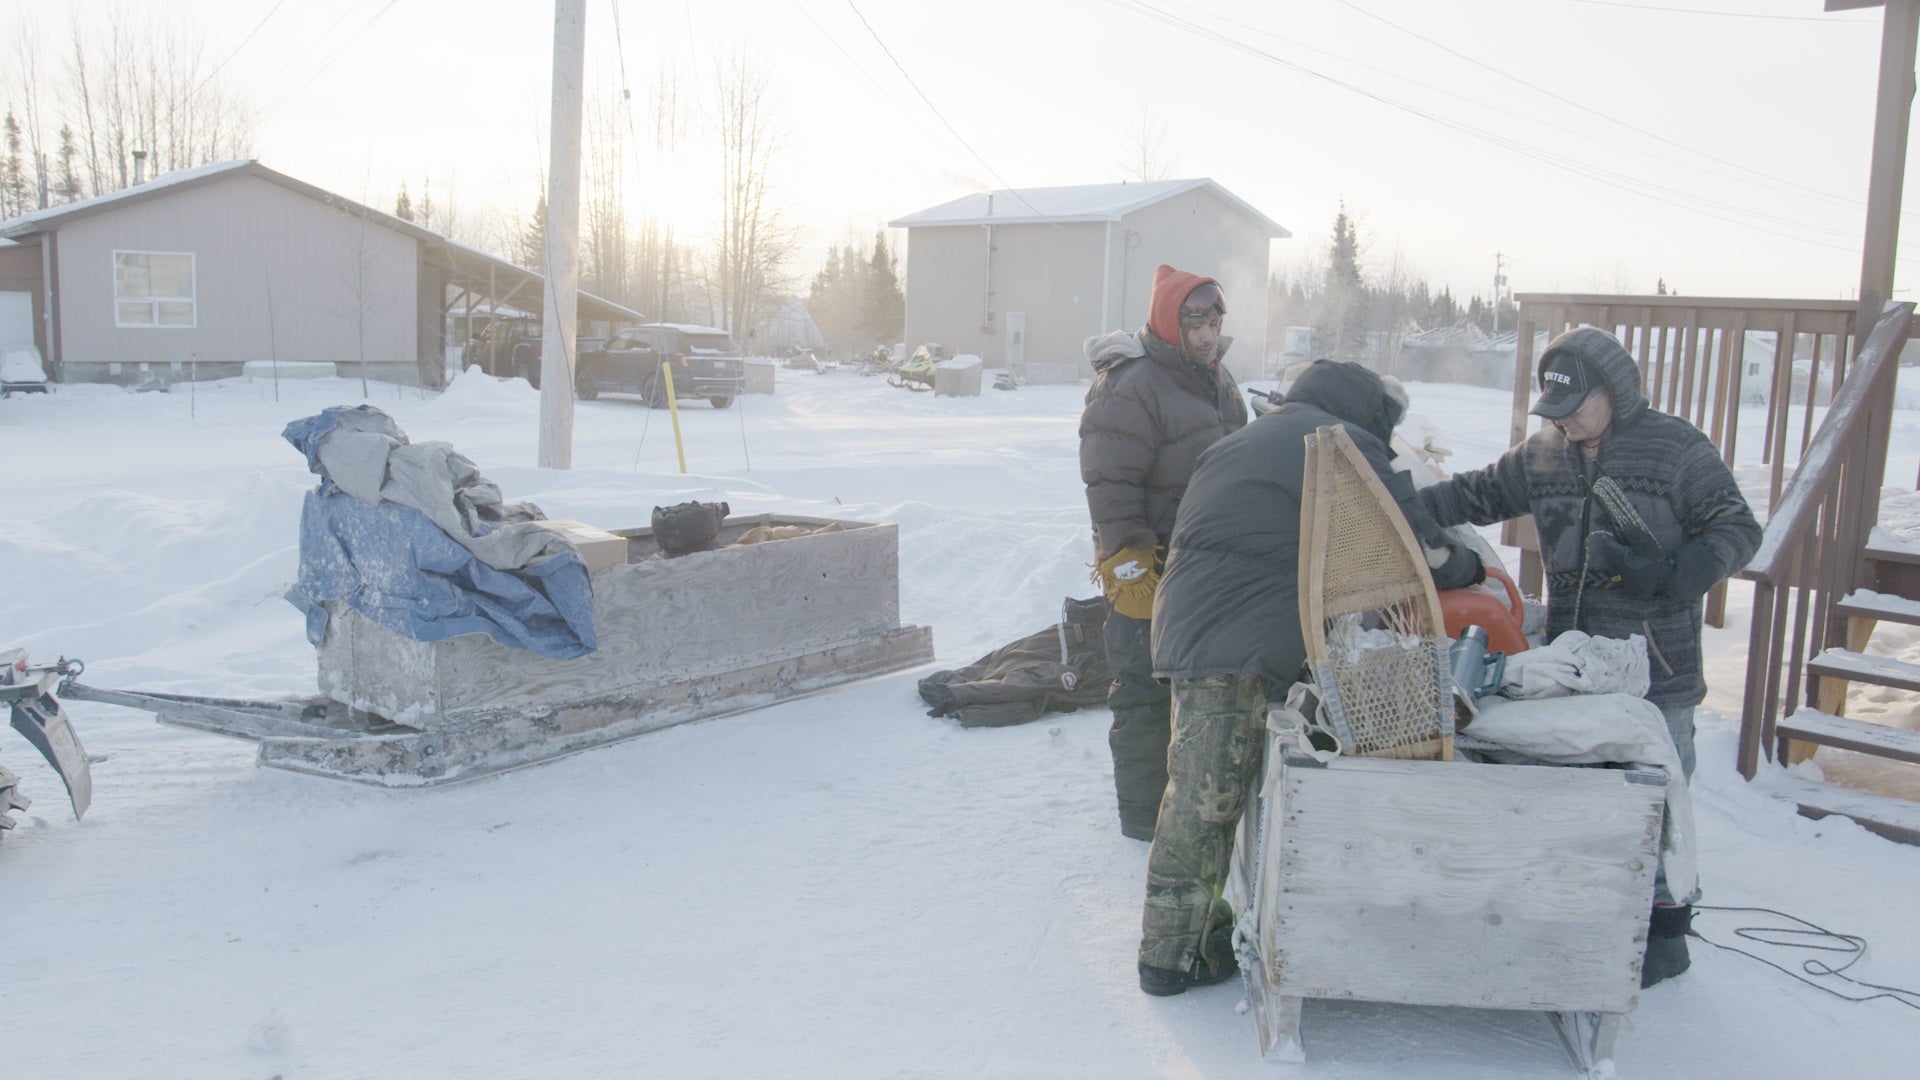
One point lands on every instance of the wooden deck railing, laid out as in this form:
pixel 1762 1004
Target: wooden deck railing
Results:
pixel 1810 555
pixel 1696 362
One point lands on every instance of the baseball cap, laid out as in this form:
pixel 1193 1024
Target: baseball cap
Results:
pixel 1565 380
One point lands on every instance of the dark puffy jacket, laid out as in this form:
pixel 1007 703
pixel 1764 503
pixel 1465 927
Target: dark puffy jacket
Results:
pixel 1229 600
pixel 1059 669
pixel 1149 414
pixel 1673 477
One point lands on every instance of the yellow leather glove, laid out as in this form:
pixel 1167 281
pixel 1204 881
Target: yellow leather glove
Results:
pixel 1129 577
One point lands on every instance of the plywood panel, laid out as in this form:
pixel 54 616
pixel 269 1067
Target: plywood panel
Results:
pixel 655 620
pixel 1460 884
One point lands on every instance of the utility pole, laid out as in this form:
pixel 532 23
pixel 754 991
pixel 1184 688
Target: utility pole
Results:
pixel 560 313
pixel 1899 25
pixel 1499 282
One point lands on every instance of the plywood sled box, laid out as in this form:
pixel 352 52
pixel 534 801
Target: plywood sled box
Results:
pixel 1448 883
pixel 713 632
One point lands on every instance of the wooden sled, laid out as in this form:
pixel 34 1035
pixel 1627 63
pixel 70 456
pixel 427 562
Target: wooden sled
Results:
pixel 703 635
pixel 1393 873
pixel 1447 883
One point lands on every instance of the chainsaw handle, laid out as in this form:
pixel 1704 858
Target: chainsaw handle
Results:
pixel 1495 573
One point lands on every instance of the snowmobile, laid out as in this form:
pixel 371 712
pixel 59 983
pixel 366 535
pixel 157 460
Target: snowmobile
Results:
pixel 27 689
pixel 916 372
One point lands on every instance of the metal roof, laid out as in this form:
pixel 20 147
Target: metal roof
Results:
pixel 467 268
pixel 1086 202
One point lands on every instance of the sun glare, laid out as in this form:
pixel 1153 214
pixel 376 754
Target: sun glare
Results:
pixel 680 194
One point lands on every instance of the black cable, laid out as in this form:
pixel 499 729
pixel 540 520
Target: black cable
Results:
pixel 1810 936
pixel 938 115
pixel 1644 188
pixel 1732 14
pixel 236 49
pixel 282 100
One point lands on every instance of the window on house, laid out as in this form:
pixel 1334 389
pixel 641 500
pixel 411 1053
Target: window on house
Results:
pixel 153 288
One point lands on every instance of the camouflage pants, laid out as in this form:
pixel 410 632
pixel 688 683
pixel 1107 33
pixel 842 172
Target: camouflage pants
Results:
pixel 1213 763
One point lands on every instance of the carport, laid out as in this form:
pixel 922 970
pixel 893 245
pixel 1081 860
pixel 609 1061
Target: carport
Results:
pixel 479 283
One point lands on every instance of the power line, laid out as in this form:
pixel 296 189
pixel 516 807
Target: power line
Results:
pixel 1644 188
pixel 328 62
pixel 1477 62
pixel 1729 14
pixel 991 171
pixel 862 69
pixel 287 68
pixel 1754 177
pixel 242 45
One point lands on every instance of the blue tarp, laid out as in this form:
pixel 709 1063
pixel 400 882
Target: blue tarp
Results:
pixel 398 568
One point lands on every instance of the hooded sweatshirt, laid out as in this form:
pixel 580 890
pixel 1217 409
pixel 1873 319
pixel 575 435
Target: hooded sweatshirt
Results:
pixel 1229 599
pixel 1673 477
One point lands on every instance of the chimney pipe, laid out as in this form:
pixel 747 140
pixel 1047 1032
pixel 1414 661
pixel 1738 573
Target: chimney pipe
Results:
pixel 139 167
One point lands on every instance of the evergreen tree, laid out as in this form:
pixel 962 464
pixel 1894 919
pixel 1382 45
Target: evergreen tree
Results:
pixel 402 205
pixel 840 299
pixel 885 308
pixel 67 188
pixel 1341 330
pixel 13 174
pixel 533 238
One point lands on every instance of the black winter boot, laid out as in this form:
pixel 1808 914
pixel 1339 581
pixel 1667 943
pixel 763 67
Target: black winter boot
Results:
pixel 1214 964
pixel 1666 943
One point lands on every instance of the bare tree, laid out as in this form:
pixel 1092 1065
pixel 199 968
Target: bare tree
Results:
pixel 1619 281
pixel 661 264
pixel 362 295
pixel 606 258
pixel 1147 149
pixel 754 244
pixel 143 82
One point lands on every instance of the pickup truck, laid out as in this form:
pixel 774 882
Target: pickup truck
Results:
pixel 706 364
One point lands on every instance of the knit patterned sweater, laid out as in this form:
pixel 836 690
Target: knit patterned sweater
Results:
pixel 1673 477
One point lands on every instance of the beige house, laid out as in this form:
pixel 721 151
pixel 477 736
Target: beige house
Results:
pixel 197 272
pixel 1022 278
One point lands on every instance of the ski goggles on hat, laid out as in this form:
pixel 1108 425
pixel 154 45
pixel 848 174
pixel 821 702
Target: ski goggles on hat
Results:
pixel 1205 301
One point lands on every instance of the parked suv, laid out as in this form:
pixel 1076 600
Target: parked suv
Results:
pixel 507 348
pixel 706 363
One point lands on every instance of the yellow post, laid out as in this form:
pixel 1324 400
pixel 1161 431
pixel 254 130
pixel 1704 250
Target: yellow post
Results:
pixel 673 410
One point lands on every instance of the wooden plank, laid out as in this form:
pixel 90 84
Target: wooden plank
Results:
pixel 484 742
pixel 1896 819
pixel 1884 546
pixel 1704 303
pixel 1778 399
pixel 1845 733
pixel 1884 607
pixel 1854 666
pixel 655 619
pixel 1489 886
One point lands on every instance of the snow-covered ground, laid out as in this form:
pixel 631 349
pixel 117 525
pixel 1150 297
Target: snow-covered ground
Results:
pixel 836 887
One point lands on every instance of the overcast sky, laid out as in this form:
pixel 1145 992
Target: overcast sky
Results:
pixel 1597 144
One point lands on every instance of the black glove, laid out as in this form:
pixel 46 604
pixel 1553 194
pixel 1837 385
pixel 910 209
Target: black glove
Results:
pixel 1455 566
pixel 1695 570
pixel 1630 571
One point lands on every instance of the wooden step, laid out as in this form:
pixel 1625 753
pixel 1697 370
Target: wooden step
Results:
pixel 1814 726
pixel 1884 607
pixel 1895 819
pixel 1883 546
pixel 1859 667
pixel 1893 564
